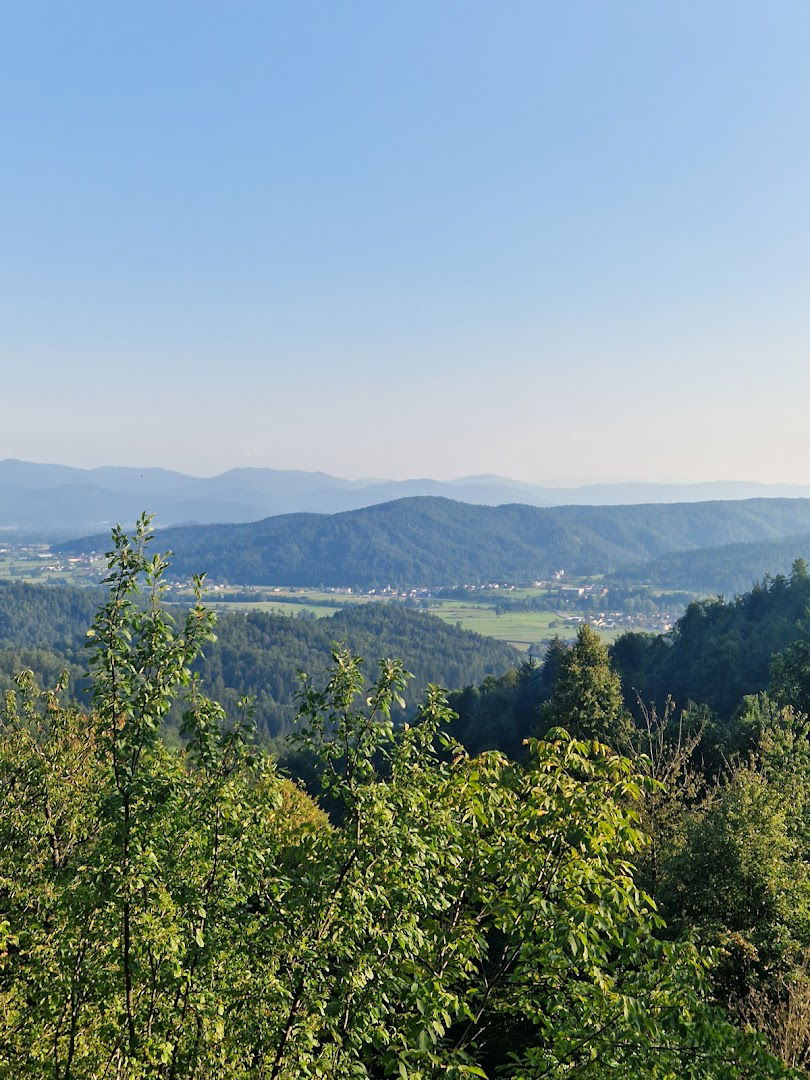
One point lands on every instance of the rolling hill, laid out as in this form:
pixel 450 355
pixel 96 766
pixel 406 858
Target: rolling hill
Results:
pixel 435 541
pixel 43 627
pixel 727 570
pixel 58 499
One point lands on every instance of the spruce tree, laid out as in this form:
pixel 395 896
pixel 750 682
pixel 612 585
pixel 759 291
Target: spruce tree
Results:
pixel 587 697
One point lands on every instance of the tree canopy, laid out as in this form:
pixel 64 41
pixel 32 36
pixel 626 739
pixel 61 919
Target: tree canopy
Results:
pixel 184 912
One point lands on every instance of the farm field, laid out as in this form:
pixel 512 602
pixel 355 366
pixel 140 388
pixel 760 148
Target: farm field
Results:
pixel 273 607
pixel 493 595
pixel 519 628
pixel 17 565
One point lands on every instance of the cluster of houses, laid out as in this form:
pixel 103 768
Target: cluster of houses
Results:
pixel 37 560
pixel 567 595
pixel 660 622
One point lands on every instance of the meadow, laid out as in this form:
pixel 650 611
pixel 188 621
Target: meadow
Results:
pixel 477 613
pixel 27 564
pixel 520 628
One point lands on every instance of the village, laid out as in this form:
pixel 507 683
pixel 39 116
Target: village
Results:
pixel 527 615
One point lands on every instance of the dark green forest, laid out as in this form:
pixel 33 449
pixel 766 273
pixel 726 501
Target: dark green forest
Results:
pixel 720 651
pixel 595 904
pixel 726 570
pixel 592 865
pixel 257 654
pixel 435 541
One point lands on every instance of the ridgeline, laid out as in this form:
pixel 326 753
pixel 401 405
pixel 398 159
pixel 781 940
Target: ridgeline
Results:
pixel 436 541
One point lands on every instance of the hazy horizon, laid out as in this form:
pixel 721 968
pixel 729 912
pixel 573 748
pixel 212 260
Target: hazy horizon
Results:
pixel 565 244
pixel 367 478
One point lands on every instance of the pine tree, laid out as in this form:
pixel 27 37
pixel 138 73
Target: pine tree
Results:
pixel 587 697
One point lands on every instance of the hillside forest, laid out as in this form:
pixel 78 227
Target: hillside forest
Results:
pixel 436 542
pixel 590 865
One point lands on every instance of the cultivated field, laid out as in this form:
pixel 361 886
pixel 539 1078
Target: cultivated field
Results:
pixel 519 628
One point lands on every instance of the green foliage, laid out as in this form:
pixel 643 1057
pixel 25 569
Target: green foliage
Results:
pixel 587 697
pixel 790 672
pixel 727 570
pixel 257 654
pixel 45 616
pixel 184 914
pixel 435 541
pixel 499 714
pixel 721 651
pixel 42 628
pixel 742 880
pixel 504 711
pixel 663 747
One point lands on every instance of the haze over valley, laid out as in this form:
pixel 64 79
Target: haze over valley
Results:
pixel 48 500
pixel 405 541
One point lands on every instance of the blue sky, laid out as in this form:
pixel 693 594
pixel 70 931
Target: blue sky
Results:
pixel 554 240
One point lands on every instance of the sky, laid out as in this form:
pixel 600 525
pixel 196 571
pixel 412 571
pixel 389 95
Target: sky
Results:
pixel 556 240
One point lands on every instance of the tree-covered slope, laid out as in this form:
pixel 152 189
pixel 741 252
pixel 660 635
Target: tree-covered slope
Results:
pixel 185 912
pixel 719 651
pixel 729 569
pixel 44 628
pixel 419 540
pixel 45 616
pixel 434 541
pixel 261 654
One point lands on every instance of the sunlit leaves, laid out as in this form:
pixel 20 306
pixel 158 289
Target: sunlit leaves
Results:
pixel 186 914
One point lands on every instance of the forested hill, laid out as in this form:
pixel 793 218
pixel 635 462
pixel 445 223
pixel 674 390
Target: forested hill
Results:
pixel 719 651
pixel 44 628
pixel 726 570
pixel 436 541
pixel 46 616
pixel 261 654
pixel 49 500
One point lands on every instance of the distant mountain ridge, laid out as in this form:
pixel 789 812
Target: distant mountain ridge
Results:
pixel 71 501
pixel 429 541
